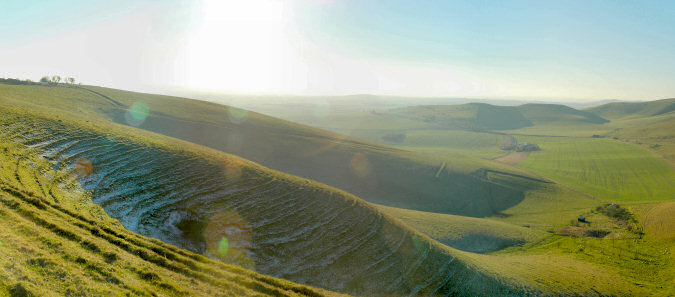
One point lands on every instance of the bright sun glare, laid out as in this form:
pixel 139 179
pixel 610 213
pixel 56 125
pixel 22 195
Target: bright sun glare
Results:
pixel 238 45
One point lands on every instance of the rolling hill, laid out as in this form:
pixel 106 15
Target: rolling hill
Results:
pixel 376 173
pixel 655 137
pixel 471 116
pixel 473 129
pixel 476 117
pixel 55 241
pixel 475 235
pixel 232 209
pixel 556 113
pixel 277 224
pixel 634 109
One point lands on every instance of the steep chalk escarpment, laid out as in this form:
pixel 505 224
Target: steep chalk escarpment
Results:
pixel 229 208
pixel 54 241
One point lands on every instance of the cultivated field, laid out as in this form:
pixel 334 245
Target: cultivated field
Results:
pixel 604 168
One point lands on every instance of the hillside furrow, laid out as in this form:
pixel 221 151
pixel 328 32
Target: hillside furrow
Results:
pixel 271 222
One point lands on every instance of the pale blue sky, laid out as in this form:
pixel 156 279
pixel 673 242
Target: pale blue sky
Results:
pixel 496 49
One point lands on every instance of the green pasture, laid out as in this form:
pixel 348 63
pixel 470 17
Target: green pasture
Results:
pixel 604 168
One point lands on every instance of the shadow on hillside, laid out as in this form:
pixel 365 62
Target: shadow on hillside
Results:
pixel 373 173
pixel 481 243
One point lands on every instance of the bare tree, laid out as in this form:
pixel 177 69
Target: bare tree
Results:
pixel 56 79
pixel 70 80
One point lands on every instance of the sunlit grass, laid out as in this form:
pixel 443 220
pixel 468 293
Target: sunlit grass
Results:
pixel 604 168
pixel 60 242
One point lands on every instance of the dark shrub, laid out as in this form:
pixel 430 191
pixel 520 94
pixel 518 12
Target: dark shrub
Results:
pixel 597 233
pixel 18 290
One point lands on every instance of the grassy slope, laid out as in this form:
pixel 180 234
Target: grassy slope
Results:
pixel 634 109
pixel 376 173
pixel 286 226
pixel 648 124
pixel 657 137
pixel 55 241
pixel 658 219
pixel 555 113
pixel 465 233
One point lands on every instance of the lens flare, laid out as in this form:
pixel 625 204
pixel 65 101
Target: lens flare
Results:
pixel 232 168
pixel 228 237
pixel 223 246
pixel 417 243
pixel 234 143
pixel 237 115
pixel 310 152
pixel 83 168
pixel 137 113
pixel 360 165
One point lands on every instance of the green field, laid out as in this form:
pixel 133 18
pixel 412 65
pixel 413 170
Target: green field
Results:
pixel 604 168
pixel 658 219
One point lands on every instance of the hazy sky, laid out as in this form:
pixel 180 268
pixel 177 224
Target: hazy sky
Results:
pixel 498 49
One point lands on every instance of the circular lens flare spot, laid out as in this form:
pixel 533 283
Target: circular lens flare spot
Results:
pixel 223 246
pixel 417 243
pixel 137 113
pixel 232 168
pixel 83 168
pixel 360 165
pixel 229 238
pixel 237 115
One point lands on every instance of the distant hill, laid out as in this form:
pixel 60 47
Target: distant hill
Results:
pixel 471 116
pixel 548 113
pixel 650 124
pixel 481 116
pixel 658 137
pixel 634 109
